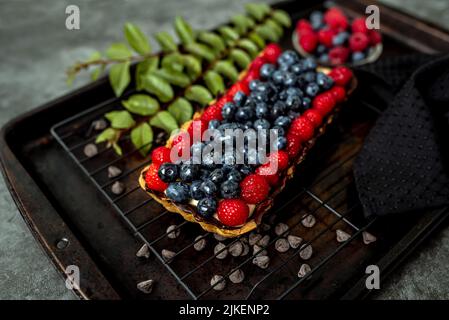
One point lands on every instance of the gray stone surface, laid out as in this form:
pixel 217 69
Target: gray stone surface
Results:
pixel 35 50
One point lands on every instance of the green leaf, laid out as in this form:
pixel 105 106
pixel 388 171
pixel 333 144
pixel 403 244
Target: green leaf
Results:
pixel 227 69
pixel 267 33
pixel 240 57
pixel 214 82
pixel 212 40
pixel 173 61
pixel 158 86
pixel 145 67
pixel 249 47
pixel 199 94
pixel 142 138
pixel 242 23
pixel 200 50
pixel 109 134
pixel 271 23
pixel 228 33
pixel 119 77
pixel 117 148
pixel 258 40
pixel 96 72
pixel 118 51
pixel 257 10
pixel 174 77
pixel 141 104
pixel 193 66
pixel 137 39
pixel 120 119
pixel 166 41
pixel 282 18
pixel 181 110
pixel 165 121
pixel 183 30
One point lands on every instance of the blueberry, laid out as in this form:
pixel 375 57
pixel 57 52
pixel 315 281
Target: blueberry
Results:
pixel 178 192
pixel 266 70
pixel 292 114
pixel 289 79
pixel 280 131
pixel 316 16
pixel 208 187
pixel 228 111
pixel 298 68
pixel 260 124
pixel 340 38
pixel 324 58
pixel 204 173
pixel 226 168
pixel 229 158
pixel 277 109
pixel 239 98
pixel 208 161
pixel 195 190
pixel 324 81
pixel 358 56
pixel 244 114
pixel 283 95
pixel 278 77
pixel 287 58
pixel 247 125
pixel 214 124
pixel 282 121
pixel 229 189
pixel 216 176
pixel 168 172
pixel 312 89
pixel 320 49
pixel 293 102
pixel 310 76
pixel 295 91
pixel 189 172
pixel 246 170
pixel 281 143
pixel 261 110
pixel 259 96
pixel 234 175
pixel 309 64
pixel 206 207
pixel 306 101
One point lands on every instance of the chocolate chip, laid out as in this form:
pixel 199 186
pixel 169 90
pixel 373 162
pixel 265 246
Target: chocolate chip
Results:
pixel 342 236
pixel 237 276
pixel 90 150
pixel 245 249
pixel 172 232
pixel 303 270
pixel 200 243
pixel 117 187
pixel 294 241
pixel 146 286
pixel 368 237
pixel 257 251
pixel 264 241
pixel 167 254
pixel 306 252
pixel 218 282
pixel 262 261
pixel 100 124
pixel 264 227
pixel 220 251
pixel 282 245
pixel 113 172
pixel 144 252
pixel 308 221
pixel 280 229
pixel 253 238
pixel 236 249
pixel 219 237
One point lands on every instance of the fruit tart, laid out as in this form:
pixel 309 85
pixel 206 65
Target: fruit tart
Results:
pixel 287 101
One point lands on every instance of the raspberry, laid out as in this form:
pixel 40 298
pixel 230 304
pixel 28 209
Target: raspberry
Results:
pixel 250 76
pixel 212 112
pixel 160 155
pixel 232 212
pixel 265 172
pixel 339 93
pixel 254 189
pixel 359 25
pixel 324 103
pixel 181 146
pixel 303 26
pixel 358 41
pixel 308 42
pixel 196 129
pixel 338 55
pixel 152 179
pixel 374 37
pixel 314 117
pixel 293 145
pixel 341 76
pixel 302 128
pixel 269 170
pixel 256 64
pixel 281 157
pixel 325 37
pixel 271 53
pixel 336 19
pixel 238 86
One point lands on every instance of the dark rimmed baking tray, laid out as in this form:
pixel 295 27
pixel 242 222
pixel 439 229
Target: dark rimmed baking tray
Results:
pixel 77 226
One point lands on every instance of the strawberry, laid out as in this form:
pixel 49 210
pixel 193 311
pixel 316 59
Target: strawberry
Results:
pixel 293 145
pixel 181 146
pixel 281 157
pixel 339 93
pixel 336 19
pixel 254 189
pixel 160 155
pixel 272 179
pixel 359 25
pixel 314 117
pixel 238 86
pixel 250 76
pixel 358 41
pixel 341 75
pixel 324 103
pixel 232 212
pixel 196 129
pixel 271 53
pixel 325 37
pixel 338 55
pixel 303 26
pixel 308 41
pixel 152 179
pixel 374 37
pixel 256 64
pixel 302 128
pixel 212 112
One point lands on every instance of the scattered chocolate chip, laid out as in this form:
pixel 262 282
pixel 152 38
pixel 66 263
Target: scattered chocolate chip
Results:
pixel 262 261
pixel 280 229
pixel 282 245
pixel 218 282
pixel 264 241
pixel 294 241
pixel 113 172
pixel 253 238
pixel 144 252
pixel 265 227
pixel 245 249
pixel 308 221
pixel 303 270
pixel 167 254
pixel 368 237
pixel 219 238
pixel 236 249
pixel 117 187
pixel 219 254
pixel 90 150
pixel 200 243
pixel 100 124
pixel 172 232
pixel 342 236
pixel 237 276
pixel 306 252
pixel 146 286
pixel 257 251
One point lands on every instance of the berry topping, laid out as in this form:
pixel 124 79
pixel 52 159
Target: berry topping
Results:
pixel 302 128
pixel 207 207
pixel 178 192
pixel 254 189
pixel 271 53
pixel 324 103
pixel 195 190
pixel 336 19
pixel 152 179
pixel 197 128
pixel 358 41
pixel 160 155
pixel 232 212
pixel 314 117
pixel 338 55
pixel 359 25
pixel 325 37
pixel 308 41
pixel 374 37
pixel 339 93
pixel 168 172
pixel 189 172
pixel 213 112
pixel 293 145
pixel 229 189
pixel 341 75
